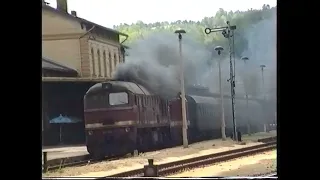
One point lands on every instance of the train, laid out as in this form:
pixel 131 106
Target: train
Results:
pixel 121 117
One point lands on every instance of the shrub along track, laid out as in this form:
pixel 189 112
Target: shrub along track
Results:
pixel 178 166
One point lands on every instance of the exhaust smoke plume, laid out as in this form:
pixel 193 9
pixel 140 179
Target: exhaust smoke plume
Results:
pixel 261 49
pixel 154 62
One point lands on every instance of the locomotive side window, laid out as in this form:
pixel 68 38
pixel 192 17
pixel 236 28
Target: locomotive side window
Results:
pixel 206 110
pixel 137 100
pixel 200 110
pixel 140 102
pixel 118 98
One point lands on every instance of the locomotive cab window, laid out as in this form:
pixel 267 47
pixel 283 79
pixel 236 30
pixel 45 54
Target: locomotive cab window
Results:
pixel 118 98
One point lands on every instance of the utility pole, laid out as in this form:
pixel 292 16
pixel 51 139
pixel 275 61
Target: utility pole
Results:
pixel 266 129
pixel 219 49
pixel 245 59
pixel 228 32
pixel 183 94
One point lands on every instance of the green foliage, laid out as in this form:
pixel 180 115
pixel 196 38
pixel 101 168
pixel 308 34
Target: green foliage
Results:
pixel 242 19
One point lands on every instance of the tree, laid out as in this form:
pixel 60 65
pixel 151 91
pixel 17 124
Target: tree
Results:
pixel 243 19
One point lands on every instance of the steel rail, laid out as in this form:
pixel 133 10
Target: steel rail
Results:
pixel 177 166
pixel 71 161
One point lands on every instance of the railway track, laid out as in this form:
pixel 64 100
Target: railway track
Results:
pixel 69 164
pixel 85 160
pixel 270 174
pixel 274 174
pixel 178 166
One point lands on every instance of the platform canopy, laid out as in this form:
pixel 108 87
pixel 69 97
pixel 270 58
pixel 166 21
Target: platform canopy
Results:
pixel 48 64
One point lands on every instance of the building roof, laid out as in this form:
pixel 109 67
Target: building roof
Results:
pixel 81 20
pixel 52 65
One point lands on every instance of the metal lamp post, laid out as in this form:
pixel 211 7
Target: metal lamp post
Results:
pixel 219 49
pixel 262 66
pixel 245 59
pixel 183 94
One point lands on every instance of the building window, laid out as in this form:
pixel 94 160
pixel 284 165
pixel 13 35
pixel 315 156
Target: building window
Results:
pixel 120 59
pixel 92 62
pixel 115 60
pixel 99 62
pixel 105 63
pixel 110 62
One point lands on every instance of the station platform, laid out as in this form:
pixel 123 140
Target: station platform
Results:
pixel 64 151
pixel 108 168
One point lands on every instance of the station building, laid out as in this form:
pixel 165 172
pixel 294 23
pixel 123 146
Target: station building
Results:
pixel 76 53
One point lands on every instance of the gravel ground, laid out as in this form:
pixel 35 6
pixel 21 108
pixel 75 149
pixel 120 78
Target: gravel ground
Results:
pixel 162 156
pixel 247 166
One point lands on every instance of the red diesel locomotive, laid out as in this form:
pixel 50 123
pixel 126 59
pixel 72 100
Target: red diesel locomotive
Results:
pixel 121 117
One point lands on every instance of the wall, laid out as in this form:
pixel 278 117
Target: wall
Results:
pixel 53 23
pixel 66 52
pixel 61 42
pixel 60 39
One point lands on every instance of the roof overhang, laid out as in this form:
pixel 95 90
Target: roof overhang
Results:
pixel 48 64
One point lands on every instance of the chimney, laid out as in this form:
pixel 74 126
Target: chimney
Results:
pixel 62 5
pixel 74 13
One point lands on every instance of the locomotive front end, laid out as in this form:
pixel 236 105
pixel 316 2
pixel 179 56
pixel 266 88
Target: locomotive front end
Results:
pixel 110 118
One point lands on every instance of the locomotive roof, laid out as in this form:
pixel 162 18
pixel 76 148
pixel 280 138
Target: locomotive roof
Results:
pixel 203 99
pixel 214 100
pixel 130 86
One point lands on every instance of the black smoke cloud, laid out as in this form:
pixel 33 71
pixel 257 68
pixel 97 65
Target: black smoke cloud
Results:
pixel 154 62
pixel 262 50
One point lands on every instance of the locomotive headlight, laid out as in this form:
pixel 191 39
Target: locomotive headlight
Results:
pixel 90 133
pixel 127 129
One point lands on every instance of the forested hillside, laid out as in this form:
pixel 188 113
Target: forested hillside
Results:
pixel 242 19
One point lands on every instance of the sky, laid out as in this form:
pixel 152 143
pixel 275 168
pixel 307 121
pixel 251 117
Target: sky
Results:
pixel 113 12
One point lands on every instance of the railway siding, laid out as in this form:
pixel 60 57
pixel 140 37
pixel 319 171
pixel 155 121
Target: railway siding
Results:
pixel 260 164
pixel 162 156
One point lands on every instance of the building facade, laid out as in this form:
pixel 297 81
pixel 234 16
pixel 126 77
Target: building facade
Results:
pixel 92 50
pixel 76 53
